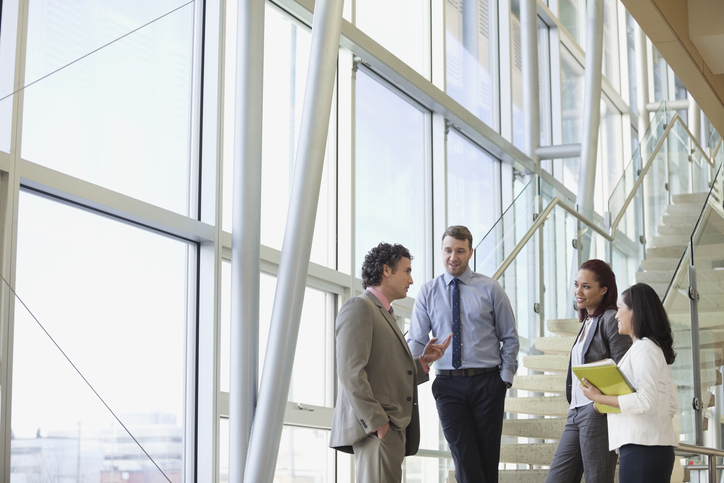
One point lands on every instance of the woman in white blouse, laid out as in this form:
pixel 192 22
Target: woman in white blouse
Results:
pixel 643 433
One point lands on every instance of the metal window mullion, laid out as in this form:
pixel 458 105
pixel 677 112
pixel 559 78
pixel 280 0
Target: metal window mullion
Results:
pixel 9 197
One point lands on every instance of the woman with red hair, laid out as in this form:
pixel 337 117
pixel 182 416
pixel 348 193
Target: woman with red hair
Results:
pixel 583 448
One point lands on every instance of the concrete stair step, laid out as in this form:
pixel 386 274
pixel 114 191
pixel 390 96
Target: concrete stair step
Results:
pixel 547 363
pixel 709 377
pixel 708 338
pixel 709 358
pixel 555 345
pixel 681 321
pixel 679 475
pixel 659 263
pixel 665 230
pixel 670 240
pixel 679 219
pixel 692 209
pixel 538 406
pixel 654 276
pixel 528 453
pixel 539 428
pixel 699 198
pixel 665 252
pixel 553 383
pixel 564 327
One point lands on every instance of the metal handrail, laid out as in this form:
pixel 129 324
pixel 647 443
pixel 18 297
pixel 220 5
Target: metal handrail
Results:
pixel 611 235
pixel 649 163
pixel 537 224
pixel 710 453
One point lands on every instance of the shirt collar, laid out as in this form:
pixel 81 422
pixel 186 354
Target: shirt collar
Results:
pixel 464 278
pixel 380 296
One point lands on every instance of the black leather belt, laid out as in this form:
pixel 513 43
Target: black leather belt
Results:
pixel 466 372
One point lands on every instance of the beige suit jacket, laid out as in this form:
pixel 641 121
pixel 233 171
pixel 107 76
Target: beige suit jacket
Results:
pixel 378 376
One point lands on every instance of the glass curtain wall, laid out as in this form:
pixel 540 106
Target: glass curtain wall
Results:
pixel 117 135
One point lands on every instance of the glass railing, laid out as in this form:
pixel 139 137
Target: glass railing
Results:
pixel 535 246
pixel 507 232
pixel 647 146
pixel 697 320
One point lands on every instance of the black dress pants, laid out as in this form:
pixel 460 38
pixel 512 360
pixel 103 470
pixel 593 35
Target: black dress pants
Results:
pixel 471 413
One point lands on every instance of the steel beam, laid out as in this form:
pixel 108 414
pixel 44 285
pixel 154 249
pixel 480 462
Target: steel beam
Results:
pixel 297 245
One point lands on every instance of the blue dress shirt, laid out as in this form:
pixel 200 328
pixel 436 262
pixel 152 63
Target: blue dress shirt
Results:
pixel 489 337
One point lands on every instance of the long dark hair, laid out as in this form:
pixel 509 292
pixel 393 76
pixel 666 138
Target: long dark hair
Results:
pixel 605 277
pixel 649 318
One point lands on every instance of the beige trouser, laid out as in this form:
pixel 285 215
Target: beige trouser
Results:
pixel 380 460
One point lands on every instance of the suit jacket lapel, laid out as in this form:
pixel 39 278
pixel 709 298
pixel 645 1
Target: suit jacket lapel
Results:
pixel 390 320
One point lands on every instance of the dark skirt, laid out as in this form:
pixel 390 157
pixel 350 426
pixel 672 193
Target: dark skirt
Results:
pixel 652 464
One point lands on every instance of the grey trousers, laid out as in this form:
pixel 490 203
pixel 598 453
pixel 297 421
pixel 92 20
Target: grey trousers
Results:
pixel 380 460
pixel 583 448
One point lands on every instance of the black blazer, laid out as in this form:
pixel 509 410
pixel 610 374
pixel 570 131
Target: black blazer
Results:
pixel 605 343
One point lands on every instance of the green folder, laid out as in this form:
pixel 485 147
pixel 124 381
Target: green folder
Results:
pixel 607 377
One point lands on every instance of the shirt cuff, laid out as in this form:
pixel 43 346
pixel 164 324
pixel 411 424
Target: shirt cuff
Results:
pixel 425 366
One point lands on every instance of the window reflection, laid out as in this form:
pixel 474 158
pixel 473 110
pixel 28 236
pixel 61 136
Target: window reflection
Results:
pixel 610 43
pixel 402 27
pixel 471 56
pixel 390 167
pixel 571 113
pixel 304 455
pixel 473 187
pixel 610 155
pixel 119 117
pixel 113 298
pixel 312 368
pixel 286 58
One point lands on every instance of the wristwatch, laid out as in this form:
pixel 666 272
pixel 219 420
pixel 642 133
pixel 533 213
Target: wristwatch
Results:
pixel 507 384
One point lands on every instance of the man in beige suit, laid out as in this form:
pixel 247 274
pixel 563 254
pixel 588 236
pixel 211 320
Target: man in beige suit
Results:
pixel 376 415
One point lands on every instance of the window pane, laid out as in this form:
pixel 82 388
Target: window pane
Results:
pixel 610 43
pixel 471 56
pixel 661 75
pixel 517 76
pixel 390 174
pixel 312 369
pixel 471 187
pixel 286 58
pixel 113 297
pixel 304 455
pixel 572 14
pixel 571 112
pixel 610 155
pixel 631 33
pixel 402 27
pixel 8 34
pixel 119 117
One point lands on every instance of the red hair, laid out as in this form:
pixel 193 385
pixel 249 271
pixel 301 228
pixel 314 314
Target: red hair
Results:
pixel 605 277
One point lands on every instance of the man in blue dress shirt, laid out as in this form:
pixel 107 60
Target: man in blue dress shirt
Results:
pixel 472 378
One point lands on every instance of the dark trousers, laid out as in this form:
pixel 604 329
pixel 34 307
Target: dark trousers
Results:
pixel 583 449
pixel 471 413
pixel 652 464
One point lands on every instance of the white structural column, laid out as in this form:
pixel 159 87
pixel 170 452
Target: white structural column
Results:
pixel 297 246
pixel 246 232
pixel 531 95
pixel 642 84
pixel 591 105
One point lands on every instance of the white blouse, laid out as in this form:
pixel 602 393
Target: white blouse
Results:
pixel 646 415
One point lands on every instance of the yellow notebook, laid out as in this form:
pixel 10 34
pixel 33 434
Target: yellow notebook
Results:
pixel 607 377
